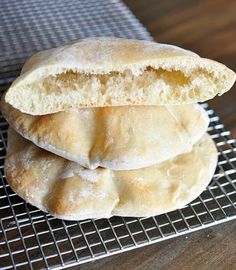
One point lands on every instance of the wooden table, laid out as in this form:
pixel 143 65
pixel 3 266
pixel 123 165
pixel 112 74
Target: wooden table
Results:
pixel 205 27
pixel 208 28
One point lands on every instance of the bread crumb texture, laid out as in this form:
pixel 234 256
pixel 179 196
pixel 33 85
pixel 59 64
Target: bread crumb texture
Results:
pixel 115 72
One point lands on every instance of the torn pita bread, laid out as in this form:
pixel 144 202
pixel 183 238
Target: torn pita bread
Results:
pixel 98 72
pixel 69 191
pixel 118 138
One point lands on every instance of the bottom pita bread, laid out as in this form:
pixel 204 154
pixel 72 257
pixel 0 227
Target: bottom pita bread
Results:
pixel 69 191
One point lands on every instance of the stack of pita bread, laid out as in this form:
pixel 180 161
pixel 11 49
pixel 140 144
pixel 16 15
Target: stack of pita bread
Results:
pixel 108 126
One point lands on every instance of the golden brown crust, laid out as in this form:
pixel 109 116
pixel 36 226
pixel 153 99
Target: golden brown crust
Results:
pixel 71 192
pixel 98 72
pixel 118 138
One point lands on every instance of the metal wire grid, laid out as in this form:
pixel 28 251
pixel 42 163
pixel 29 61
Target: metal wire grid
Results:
pixel 31 239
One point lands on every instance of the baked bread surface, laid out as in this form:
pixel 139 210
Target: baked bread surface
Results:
pixel 69 191
pixel 100 72
pixel 118 138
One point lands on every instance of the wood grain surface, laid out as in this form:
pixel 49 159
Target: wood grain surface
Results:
pixel 208 28
pixel 205 27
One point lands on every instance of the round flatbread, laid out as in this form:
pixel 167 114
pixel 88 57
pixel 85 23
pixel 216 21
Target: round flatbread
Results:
pixel 98 72
pixel 118 138
pixel 69 191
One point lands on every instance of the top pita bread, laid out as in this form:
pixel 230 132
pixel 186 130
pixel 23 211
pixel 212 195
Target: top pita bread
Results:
pixel 97 72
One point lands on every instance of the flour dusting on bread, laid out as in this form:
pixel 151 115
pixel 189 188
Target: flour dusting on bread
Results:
pixel 74 169
pixel 104 72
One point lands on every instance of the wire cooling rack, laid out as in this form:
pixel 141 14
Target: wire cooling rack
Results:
pixel 31 239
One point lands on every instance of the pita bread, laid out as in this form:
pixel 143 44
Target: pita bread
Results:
pixel 69 191
pixel 118 138
pixel 98 72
